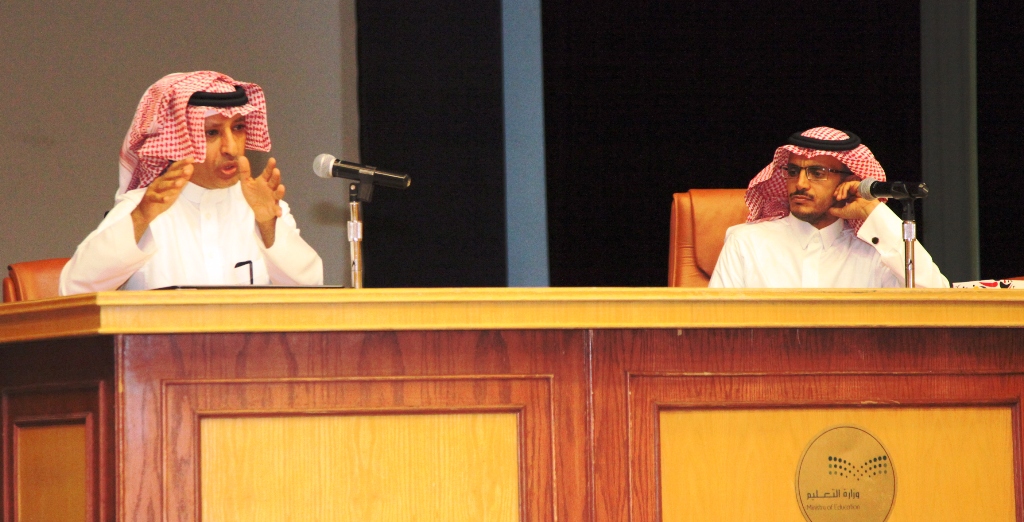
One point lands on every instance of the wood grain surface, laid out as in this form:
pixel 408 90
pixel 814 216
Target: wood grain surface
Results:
pixel 51 477
pixel 388 466
pixel 586 372
pixel 755 370
pixel 951 463
pixel 61 384
pixel 172 382
pixel 326 309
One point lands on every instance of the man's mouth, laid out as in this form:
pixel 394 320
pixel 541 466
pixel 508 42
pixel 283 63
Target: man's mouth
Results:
pixel 800 197
pixel 229 168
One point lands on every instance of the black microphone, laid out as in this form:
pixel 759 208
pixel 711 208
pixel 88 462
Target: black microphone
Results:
pixel 871 189
pixel 327 166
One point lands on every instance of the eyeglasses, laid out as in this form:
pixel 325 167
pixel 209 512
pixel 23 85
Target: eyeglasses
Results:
pixel 814 172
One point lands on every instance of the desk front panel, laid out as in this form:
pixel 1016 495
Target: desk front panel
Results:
pixel 467 395
pixel 588 409
pixel 659 393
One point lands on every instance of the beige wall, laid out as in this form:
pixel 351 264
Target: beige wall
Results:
pixel 74 72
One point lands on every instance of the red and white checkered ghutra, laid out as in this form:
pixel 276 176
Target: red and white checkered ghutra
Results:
pixel 167 129
pixel 767 196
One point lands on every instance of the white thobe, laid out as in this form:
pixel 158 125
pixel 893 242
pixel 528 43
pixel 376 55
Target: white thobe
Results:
pixel 789 253
pixel 207 237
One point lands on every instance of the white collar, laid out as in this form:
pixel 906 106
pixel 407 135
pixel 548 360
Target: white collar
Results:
pixel 197 195
pixel 805 231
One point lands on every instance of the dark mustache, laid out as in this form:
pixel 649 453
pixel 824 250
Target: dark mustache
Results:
pixel 801 192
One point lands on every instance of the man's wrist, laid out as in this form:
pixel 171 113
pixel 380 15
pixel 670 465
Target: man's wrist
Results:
pixel 267 231
pixel 870 207
pixel 140 222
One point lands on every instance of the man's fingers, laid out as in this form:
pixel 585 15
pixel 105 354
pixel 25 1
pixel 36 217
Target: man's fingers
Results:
pixel 841 192
pixel 179 166
pixel 244 170
pixel 181 163
pixel 271 164
pixel 274 179
pixel 174 183
pixel 179 170
pixel 846 190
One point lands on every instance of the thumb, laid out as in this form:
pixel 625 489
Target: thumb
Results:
pixel 244 171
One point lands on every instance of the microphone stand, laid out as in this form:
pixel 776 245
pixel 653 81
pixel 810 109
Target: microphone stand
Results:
pixel 360 179
pixel 358 192
pixel 909 237
pixel 902 194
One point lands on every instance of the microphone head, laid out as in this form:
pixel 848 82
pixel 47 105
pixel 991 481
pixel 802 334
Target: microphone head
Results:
pixel 864 189
pixel 323 164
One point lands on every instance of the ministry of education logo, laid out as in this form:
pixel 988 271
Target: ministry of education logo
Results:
pixel 845 474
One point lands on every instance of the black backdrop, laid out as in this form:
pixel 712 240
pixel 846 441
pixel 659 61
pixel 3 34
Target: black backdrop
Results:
pixel 643 99
pixel 430 103
pixel 1000 137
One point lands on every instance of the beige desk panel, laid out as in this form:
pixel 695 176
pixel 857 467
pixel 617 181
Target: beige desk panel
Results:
pixel 952 464
pixel 51 472
pixel 361 468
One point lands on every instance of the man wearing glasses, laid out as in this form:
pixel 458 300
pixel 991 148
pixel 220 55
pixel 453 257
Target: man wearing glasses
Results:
pixel 809 228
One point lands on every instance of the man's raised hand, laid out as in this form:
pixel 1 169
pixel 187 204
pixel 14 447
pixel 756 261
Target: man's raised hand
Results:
pixel 263 193
pixel 849 204
pixel 161 194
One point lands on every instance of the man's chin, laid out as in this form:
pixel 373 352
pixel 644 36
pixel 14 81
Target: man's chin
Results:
pixel 807 217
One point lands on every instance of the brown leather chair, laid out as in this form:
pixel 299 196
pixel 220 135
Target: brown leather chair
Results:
pixel 699 220
pixel 8 290
pixel 33 279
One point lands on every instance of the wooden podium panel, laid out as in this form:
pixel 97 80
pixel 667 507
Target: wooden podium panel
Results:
pixel 736 464
pixel 50 469
pixel 175 383
pixel 191 402
pixel 755 372
pixel 448 466
pixel 427 404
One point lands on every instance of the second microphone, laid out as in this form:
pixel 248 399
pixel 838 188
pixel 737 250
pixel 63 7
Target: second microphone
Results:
pixel 327 166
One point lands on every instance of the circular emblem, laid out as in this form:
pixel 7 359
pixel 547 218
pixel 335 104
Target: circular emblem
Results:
pixel 845 474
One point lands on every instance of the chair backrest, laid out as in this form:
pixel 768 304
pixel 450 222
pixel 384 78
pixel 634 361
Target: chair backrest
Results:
pixel 8 290
pixel 697 232
pixel 33 279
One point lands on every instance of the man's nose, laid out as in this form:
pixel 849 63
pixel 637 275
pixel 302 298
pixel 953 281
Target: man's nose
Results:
pixel 801 179
pixel 229 143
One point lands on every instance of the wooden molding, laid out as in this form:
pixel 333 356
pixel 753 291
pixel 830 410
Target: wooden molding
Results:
pixel 70 404
pixel 875 399
pixel 186 403
pixel 327 309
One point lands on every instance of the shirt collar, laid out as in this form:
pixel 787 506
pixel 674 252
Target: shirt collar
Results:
pixel 805 231
pixel 196 194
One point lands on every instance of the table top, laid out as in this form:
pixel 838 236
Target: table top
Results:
pixel 334 309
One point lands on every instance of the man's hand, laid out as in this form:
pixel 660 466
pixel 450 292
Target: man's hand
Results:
pixel 161 194
pixel 849 204
pixel 263 194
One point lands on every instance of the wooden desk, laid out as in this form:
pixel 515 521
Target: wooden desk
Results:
pixel 204 404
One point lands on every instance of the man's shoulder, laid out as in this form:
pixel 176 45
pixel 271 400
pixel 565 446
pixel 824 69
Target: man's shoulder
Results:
pixel 750 231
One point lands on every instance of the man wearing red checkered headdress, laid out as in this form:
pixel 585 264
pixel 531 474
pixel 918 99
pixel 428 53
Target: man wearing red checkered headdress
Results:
pixel 188 210
pixel 809 227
